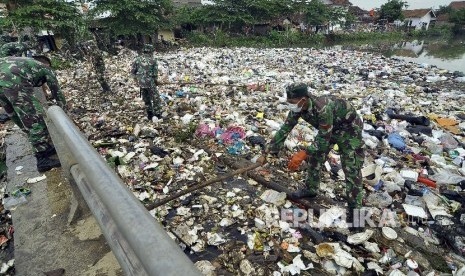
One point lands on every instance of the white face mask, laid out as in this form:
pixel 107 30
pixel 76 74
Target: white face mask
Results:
pixel 295 107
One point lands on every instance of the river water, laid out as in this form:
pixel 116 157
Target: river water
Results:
pixel 446 54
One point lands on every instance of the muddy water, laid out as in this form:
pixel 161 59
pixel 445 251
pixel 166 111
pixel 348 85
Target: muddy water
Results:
pixel 444 53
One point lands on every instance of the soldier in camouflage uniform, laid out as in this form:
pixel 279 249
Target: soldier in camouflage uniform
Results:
pixel 337 123
pixel 93 52
pixel 145 69
pixel 18 77
pixel 16 49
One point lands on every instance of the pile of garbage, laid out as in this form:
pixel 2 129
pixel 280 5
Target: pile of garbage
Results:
pixel 228 103
pixel 6 225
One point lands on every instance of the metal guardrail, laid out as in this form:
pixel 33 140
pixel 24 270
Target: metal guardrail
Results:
pixel 139 243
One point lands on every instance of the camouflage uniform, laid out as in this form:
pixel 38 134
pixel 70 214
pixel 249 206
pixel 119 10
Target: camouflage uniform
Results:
pixel 337 123
pixel 145 68
pixel 18 77
pixel 16 49
pixel 98 63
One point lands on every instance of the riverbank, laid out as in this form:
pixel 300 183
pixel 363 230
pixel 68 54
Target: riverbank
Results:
pixel 277 39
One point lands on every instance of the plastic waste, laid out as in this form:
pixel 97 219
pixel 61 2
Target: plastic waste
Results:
pixel 414 211
pixel 206 268
pixel 421 120
pixel 360 238
pixel 396 141
pixel 372 174
pixel 426 181
pixel 379 199
pixel 274 197
pixel 12 202
pixel 409 175
pixel 449 142
pixel 237 148
pixel 444 177
pixel 389 233
pixel 36 179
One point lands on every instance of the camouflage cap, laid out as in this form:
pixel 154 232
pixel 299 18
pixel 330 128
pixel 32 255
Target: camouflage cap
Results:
pixel 148 48
pixel 297 90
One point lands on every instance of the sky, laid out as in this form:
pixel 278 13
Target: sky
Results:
pixel 413 4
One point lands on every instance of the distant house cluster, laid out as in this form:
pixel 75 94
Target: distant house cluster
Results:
pixel 424 18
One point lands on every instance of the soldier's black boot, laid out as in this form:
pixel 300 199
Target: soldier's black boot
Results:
pixel 49 152
pixel 45 164
pixel 150 115
pixel 302 193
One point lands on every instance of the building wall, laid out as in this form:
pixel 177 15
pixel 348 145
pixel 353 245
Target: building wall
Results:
pixel 417 23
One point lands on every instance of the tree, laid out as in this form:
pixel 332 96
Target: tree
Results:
pixel 316 13
pixel 458 17
pixel 42 14
pixel 130 17
pixel 443 10
pixel 337 15
pixel 27 17
pixel 392 10
pixel 235 14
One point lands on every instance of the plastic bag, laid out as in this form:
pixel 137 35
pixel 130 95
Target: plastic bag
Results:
pixel 396 141
pixel 444 177
pixel 449 142
pixel 380 200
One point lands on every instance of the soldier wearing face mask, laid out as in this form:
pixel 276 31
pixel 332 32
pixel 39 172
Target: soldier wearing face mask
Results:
pixel 337 122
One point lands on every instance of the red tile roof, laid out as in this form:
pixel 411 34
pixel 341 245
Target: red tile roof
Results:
pixel 443 18
pixel 341 2
pixel 457 5
pixel 415 13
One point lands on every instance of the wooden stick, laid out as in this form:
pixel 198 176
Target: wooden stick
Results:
pixel 200 186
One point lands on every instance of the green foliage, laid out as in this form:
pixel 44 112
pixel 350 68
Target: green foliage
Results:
pixel 129 17
pixel 363 37
pixel 182 135
pixel 59 63
pixel 232 15
pixel 443 10
pixel 439 31
pixel 43 14
pixel 458 17
pixel 316 13
pixel 273 40
pixel 392 10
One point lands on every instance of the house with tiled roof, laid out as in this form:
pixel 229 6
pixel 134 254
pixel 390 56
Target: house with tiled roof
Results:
pixel 419 19
pixel 457 5
pixel 338 3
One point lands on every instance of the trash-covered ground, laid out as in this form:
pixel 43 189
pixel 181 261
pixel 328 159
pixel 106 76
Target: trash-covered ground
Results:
pixel 414 121
pixel 6 225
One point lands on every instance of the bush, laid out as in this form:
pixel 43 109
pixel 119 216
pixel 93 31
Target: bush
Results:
pixel 60 63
